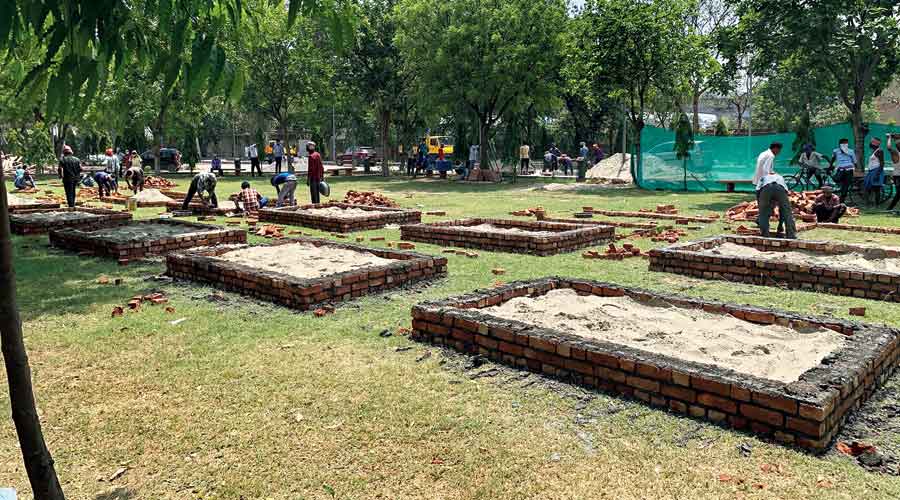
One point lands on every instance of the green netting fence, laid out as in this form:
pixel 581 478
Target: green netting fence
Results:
pixel 716 159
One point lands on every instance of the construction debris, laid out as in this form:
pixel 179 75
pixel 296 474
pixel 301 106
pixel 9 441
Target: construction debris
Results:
pixel 529 212
pixel 614 253
pixel 271 231
pixel 801 205
pixel 438 213
pixel 137 301
pixel 369 198
pixel 157 182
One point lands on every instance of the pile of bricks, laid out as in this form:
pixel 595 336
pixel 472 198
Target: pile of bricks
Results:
pixel 305 294
pixel 528 212
pixel 669 235
pixel 105 245
pixel 565 237
pixel 25 222
pixel 369 198
pixel 380 217
pixel 663 209
pixel 612 252
pixel 686 259
pixel 807 413
pixel 801 206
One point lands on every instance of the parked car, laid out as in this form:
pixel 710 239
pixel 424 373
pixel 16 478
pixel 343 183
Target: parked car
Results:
pixel 358 155
pixel 169 158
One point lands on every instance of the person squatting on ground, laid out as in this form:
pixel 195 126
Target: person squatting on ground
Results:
pixel 874 179
pixel 828 207
pixel 23 179
pixel 249 200
pixel 106 183
pixel 285 185
pixel 461 171
pixel 316 172
pixel 70 172
pixel 894 151
pixel 204 182
pixel 846 162
pixel 134 179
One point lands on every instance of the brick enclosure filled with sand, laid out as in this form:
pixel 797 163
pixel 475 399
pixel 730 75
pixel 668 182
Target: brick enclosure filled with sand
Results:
pixel 42 221
pixel 18 203
pixel 536 238
pixel 791 377
pixel 303 273
pixel 340 217
pixel 143 238
pixel 864 271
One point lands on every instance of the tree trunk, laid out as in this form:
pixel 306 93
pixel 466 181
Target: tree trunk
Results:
pixel 695 102
pixel 159 124
pixel 38 462
pixel 385 120
pixel 740 116
pixel 483 129
pixel 859 136
pixel 282 129
pixel 636 156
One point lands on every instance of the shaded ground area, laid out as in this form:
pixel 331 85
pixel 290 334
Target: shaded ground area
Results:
pixel 246 399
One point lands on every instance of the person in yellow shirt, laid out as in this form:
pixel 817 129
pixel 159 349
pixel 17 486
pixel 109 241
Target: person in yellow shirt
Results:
pixel 524 157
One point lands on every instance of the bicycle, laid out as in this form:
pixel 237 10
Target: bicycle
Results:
pixel 804 180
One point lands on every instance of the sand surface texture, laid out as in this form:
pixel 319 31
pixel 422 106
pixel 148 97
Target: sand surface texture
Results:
pixel 12 199
pixel 490 228
pixel 151 196
pixel 56 216
pixel 855 260
pixel 303 260
pixel 770 352
pixel 340 213
pixel 138 231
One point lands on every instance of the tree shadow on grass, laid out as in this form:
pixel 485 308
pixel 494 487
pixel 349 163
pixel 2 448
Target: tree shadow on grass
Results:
pixel 51 282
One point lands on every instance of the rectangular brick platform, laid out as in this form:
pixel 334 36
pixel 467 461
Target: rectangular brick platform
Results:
pixel 304 294
pixel 565 237
pixel 654 215
pixel 807 413
pixel 13 208
pixel 685 258
pixel 105 243
pixel 613 223
pixel 26 222
pixel 380 217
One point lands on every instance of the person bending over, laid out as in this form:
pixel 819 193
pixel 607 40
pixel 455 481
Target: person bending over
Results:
pixel 249 200
pixel 285 184
pixel 202 183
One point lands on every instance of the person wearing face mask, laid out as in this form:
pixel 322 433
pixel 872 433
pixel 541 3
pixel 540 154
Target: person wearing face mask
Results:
pixel 845 158
pixel 874 179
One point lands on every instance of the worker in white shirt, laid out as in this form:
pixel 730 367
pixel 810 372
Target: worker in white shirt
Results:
pixel 765 163
pixel 771 192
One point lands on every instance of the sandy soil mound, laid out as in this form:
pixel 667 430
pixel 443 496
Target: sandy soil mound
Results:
pixel 771 352
pixel 303 260
pixel 12 199
pixel 612 168
pixel 151 196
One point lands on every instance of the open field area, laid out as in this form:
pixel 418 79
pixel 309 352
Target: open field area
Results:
pixel 245 399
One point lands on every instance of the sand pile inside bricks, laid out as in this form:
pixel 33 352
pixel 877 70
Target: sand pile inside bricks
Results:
pixel 303 260
pixel 144 232
pixel 20 200
pixel 491 228
pixel 611 168
pixel 152 196
pixel 766 351
pixel 852 261
pixel 56 216
pixel 340 213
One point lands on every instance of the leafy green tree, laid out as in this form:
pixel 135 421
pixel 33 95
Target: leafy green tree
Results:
pixel 494 58
pixel 857 41
pixel 722 128
pixel 704 23
pixel 647 54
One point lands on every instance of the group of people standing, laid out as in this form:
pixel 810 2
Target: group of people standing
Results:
pixel 554 158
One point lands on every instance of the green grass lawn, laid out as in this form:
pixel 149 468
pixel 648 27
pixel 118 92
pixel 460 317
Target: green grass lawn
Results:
pixel 246 400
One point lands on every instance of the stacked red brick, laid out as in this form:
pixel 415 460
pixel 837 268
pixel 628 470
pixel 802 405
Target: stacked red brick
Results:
pixel 686 259
pixel 304 294
pixel 807 413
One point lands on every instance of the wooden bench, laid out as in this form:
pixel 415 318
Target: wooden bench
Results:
pixel 730 184
pixel 337 170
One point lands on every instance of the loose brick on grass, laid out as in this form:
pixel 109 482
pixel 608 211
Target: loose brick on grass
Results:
pixel 304 294
pixel 807 413
pixel 565 237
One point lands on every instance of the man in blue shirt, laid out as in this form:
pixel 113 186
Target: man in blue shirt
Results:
pixel 278 154
pixel 23 180
pixel 845 158
pixel 106 183
pixel 285 184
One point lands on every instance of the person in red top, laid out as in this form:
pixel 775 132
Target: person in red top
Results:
pixel 315 173
pixel 441 152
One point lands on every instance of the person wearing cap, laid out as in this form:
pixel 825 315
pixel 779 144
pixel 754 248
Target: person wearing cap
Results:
pixel 249 200
pixel 828 207
pixel 202 183
pixel 111 162
pixel 70 172
pixel 316 172
pixel 285 185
